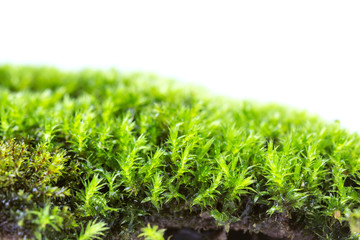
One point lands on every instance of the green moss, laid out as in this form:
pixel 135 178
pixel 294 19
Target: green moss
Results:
pixel 107 150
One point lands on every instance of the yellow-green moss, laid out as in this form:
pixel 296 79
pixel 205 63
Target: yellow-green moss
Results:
pixel 104 149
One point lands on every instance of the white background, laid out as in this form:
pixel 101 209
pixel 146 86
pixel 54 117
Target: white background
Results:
pixel 304 53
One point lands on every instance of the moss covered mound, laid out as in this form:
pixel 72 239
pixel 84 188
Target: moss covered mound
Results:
pixel 103 154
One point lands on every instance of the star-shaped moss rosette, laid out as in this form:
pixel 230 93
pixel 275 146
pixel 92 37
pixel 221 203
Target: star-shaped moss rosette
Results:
pixel 100 154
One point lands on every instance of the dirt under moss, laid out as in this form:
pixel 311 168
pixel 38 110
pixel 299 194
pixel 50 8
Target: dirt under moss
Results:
pixel 203 226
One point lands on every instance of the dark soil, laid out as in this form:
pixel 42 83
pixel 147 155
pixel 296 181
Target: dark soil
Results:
pixel 9 230
pixel 203 227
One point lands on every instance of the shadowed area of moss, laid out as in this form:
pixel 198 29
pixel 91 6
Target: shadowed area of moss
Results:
pixel 99 154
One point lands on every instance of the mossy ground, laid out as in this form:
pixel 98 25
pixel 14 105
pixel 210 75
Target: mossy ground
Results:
pixel 102 154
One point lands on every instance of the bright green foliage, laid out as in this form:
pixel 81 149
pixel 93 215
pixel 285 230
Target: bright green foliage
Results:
pixel 152 233
pixel 75 147
pixel 93 231
pixel 44 218
pixel 93 202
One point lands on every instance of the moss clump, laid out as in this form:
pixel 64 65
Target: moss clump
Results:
pixel 93 154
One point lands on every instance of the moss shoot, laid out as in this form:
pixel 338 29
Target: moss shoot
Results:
pixel 105 155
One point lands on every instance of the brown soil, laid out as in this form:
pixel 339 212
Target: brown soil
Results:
pixel 203 226
pixel 9 230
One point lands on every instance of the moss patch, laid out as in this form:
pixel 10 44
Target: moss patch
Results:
pixel 102 154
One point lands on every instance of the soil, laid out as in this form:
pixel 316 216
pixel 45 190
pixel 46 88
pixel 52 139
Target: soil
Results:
pixel 203 227
pixel 9 230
